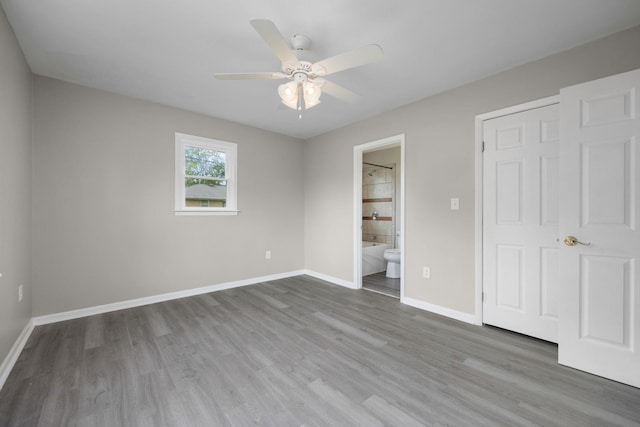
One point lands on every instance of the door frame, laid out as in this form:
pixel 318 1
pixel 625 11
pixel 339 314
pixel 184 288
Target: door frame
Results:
pixel 358 151
pixel 479 199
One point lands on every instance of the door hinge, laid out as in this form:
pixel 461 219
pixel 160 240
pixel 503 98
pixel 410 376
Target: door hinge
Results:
pixel 483 146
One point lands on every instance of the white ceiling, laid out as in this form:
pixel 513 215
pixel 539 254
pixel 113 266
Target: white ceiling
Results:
pixel 167 51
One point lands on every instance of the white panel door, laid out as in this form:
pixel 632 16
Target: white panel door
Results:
pixel 520 222
pixel 599 329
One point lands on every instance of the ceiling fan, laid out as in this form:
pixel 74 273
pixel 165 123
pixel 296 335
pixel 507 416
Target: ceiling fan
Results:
pixel 307 80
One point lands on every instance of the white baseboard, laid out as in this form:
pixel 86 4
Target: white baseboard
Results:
pixel 14 353
pixel 444 311
pixel 90 311
pixel 331 279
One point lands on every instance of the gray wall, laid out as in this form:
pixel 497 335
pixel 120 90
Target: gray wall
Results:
pixel 103 184
pixel 15 187
pixel 439 165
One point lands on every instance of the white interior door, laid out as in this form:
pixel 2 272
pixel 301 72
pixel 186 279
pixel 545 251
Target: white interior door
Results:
pixel 599 329
pixel 520 222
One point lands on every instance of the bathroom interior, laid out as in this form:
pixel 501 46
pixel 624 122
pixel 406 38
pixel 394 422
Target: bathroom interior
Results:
pixel 381 270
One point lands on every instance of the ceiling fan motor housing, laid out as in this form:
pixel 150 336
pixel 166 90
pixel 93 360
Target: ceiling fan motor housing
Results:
pixel 300 72
pixel 300 77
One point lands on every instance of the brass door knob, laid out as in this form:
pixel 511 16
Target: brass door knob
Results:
pixel 572 241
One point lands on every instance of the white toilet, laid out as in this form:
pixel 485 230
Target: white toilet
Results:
pixel 392 256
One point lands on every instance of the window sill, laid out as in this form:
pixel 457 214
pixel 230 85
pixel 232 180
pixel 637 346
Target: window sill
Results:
pixel 206 212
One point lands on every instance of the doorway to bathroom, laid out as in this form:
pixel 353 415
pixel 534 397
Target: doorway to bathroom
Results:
pixel 379 216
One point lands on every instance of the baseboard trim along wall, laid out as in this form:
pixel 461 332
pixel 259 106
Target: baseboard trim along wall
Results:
pixel 90 311
pixel 444 311
pixel 437 309
pixel 14 353
pixel 331 279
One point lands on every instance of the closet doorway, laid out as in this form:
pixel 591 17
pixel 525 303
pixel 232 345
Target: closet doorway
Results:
pixel 379 216
pixel 583 282
pixel 520 220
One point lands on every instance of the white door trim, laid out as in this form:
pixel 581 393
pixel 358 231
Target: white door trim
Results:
pixel 358 150
pixel 479 184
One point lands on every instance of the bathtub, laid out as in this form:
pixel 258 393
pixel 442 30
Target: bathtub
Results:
pixel 373 257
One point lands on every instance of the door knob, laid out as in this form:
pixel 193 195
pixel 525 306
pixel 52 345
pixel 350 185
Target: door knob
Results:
pixel 572 241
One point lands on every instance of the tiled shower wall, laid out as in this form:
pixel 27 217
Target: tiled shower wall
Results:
pixel 378 195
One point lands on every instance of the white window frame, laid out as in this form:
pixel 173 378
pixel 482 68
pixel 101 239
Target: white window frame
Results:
pixel 231 158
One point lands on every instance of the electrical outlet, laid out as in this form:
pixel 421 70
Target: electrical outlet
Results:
pixel 455 204
pixel 426 272
pixel 267 255
pixel 20 293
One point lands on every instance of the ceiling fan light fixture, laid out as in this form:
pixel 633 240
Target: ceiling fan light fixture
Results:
pixel 300 96
pixel 289 94
pixel 312 94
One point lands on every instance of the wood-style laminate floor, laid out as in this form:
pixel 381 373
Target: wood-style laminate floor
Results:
pixel 380 283
pixel 298 352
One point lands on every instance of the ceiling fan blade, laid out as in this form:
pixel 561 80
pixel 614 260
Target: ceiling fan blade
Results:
pixel 249 76
pixel 351 59
pixel 275 40
pixel 339 92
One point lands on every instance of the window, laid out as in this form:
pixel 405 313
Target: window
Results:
pixel 205 176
